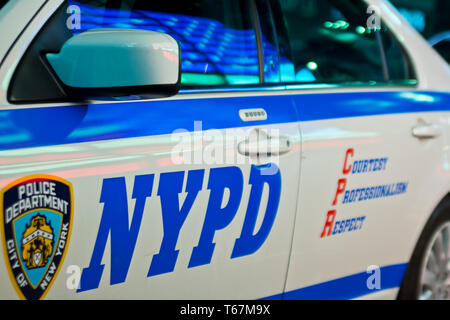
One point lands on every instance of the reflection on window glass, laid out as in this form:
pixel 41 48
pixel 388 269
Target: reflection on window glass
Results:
pixel 331 41
pixel 2 3
pixel 431 19
pixel 217 39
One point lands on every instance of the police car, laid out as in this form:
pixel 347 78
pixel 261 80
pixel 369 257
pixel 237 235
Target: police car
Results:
pixel 212 149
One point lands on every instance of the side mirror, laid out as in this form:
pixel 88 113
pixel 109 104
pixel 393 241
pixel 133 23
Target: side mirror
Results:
pixel 103 63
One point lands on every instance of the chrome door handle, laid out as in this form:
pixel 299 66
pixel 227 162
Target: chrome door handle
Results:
pixel 427 131
pixel 264 145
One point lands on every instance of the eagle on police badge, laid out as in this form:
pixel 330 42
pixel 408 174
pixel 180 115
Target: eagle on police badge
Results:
pixel 37 242
pixel 37 214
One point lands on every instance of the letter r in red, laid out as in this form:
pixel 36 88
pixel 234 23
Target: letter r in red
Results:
pixel 328 223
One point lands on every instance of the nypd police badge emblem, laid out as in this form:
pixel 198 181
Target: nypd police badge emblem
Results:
pixel 36 214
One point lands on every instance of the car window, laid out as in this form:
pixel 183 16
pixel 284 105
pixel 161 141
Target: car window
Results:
pixel 430 18
pixel 335 41
pixel 2 3
pixel 217 37
pixel 443 47
pixel 217 40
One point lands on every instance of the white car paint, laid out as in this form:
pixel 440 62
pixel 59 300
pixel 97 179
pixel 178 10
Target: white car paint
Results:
pixel 294 256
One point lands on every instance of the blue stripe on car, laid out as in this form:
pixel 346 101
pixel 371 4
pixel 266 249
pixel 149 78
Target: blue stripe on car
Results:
pixel 349 287
pixel 46 126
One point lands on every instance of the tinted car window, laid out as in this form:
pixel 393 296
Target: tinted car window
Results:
pixel 430 18
pixel 443 47
pixel 334 41
pixel 3 2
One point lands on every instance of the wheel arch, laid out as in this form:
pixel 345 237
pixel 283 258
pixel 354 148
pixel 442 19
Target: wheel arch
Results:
pixel 441 208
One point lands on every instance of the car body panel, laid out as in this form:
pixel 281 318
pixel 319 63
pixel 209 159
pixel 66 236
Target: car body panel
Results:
pixel 14 18
pixel 98 144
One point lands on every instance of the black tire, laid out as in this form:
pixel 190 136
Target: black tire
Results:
pixel 410 287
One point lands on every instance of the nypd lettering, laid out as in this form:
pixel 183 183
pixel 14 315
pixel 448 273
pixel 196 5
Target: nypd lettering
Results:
pixel 37 216
pixel 123 234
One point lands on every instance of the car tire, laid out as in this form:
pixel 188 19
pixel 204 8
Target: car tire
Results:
pixel 427 277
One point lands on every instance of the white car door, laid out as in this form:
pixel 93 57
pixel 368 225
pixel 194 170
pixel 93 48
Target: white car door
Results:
pixel 147 199
pixel 372 165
